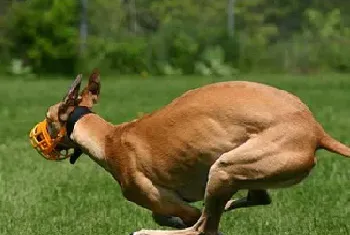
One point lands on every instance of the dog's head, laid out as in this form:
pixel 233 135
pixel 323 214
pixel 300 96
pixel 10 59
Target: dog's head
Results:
pixel 50 136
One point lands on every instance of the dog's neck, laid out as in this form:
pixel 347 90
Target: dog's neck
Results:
pixel 90 133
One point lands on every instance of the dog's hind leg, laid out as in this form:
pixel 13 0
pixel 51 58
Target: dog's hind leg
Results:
pixel 260 163
pixel 254 198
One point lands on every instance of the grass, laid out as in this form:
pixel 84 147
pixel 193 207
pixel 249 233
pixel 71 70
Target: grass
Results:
pixel 42 197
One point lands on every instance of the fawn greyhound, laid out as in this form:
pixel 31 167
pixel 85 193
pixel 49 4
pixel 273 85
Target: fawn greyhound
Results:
pixel 205 145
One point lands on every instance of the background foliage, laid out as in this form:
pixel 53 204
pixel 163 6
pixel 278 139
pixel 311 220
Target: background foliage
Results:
pixel 176 37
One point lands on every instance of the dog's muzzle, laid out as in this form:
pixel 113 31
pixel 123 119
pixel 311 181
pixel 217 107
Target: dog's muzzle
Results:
pixel 45 144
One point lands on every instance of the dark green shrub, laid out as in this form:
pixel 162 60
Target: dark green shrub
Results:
pixel 127 56
pixel 44 34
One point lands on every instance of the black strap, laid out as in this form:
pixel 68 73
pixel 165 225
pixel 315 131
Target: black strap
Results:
pixel 78 113
pixel 74 116
pixel 76 154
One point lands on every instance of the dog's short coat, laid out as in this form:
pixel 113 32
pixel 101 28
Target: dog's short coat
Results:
pixel 205 145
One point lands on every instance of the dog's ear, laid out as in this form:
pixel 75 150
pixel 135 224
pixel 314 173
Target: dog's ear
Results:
pixel 94 85
pixel 69 101
pixel 90 94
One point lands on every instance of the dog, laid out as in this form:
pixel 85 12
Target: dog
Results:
pixel 205 145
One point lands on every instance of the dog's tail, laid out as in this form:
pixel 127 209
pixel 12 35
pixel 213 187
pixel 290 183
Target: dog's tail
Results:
pixel 329 143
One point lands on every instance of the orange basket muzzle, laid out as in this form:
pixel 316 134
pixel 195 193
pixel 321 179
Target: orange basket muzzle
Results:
pixel 45 144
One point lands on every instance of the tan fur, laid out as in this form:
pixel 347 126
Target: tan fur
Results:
pixel 91 137
pixel 237 135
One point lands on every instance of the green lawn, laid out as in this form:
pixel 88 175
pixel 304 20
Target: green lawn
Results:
pixel 42 197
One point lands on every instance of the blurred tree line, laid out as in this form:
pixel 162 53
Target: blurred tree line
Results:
pixel 175 37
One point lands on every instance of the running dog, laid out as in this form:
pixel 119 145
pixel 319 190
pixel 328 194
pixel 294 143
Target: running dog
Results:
pixel 205 145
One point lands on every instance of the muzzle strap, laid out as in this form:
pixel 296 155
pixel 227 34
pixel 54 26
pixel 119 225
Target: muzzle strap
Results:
pixel 77 113
pixel 77 153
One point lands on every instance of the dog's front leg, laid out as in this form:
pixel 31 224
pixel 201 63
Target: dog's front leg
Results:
pixel 167 205
pixel 164 232
pixel 168 221
pixel 168 208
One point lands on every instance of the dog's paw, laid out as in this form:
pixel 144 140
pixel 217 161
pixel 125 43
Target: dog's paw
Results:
pixel 166 232
pixel 169 221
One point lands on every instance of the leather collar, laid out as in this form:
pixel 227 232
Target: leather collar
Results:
pixel 77 113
